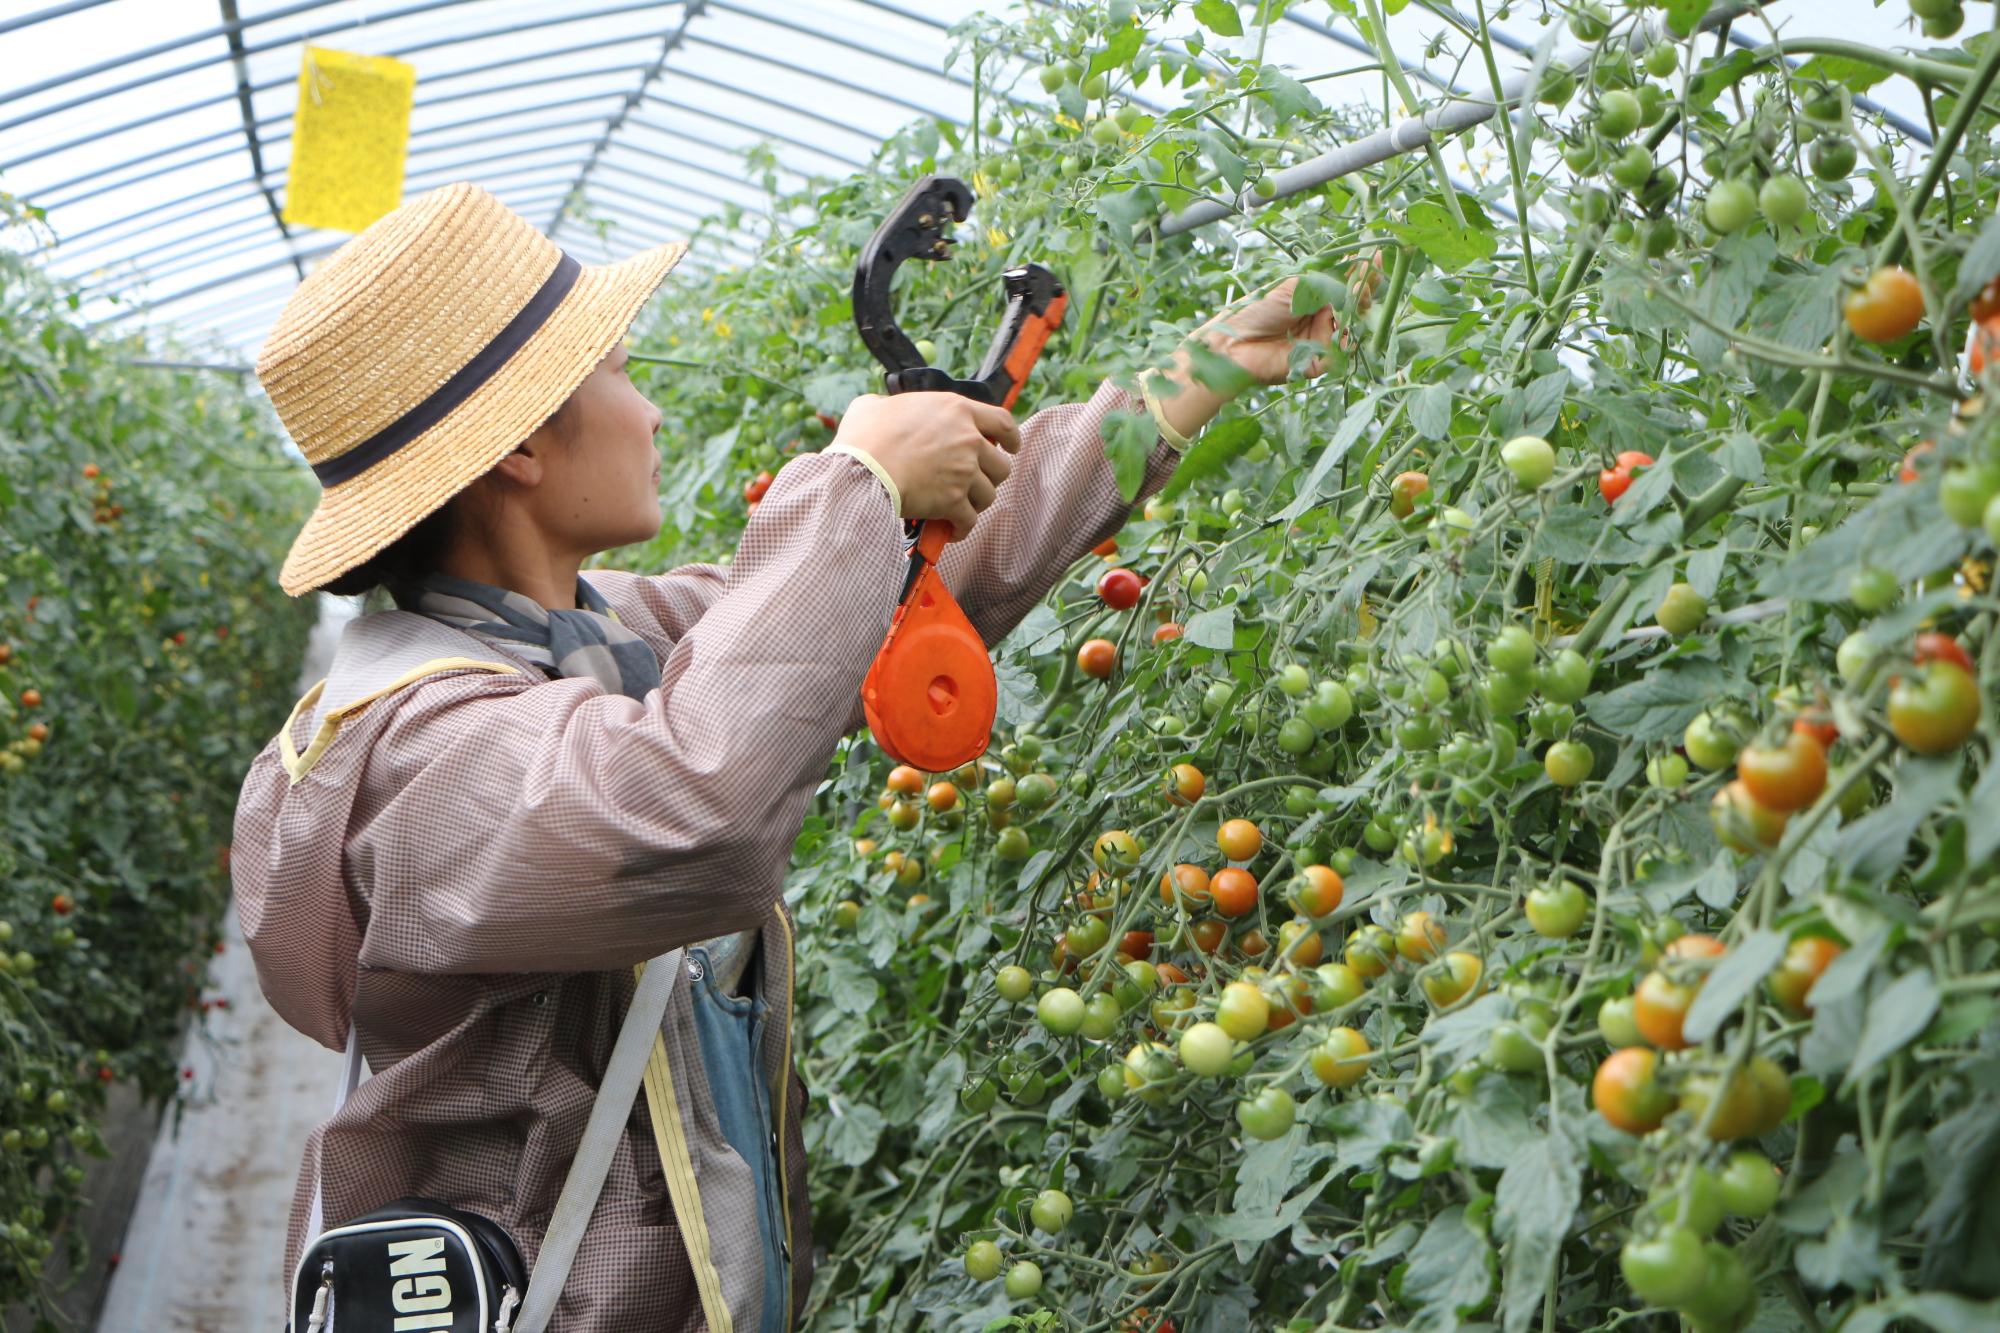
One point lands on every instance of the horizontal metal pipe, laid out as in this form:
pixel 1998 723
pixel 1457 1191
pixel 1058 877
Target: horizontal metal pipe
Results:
pixel 1403 137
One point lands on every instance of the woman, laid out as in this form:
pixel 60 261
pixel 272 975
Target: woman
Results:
pixel 523 782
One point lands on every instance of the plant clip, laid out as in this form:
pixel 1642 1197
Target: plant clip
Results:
pixel 930 694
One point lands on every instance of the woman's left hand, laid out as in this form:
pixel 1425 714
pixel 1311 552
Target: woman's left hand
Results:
pixel 1258 334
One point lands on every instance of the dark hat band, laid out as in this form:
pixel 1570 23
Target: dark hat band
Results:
pixel 460 386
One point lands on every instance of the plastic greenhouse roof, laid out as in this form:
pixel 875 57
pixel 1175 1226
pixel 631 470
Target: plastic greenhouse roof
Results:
pixel 157 133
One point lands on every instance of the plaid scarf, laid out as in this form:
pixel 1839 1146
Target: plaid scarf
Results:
pixel 584 642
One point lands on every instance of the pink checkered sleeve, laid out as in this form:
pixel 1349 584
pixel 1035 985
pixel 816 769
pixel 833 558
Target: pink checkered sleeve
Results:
pixel 563 828
pixel 1060 501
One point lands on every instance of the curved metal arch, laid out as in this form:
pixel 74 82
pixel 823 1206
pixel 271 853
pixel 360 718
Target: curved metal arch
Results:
pixel 762 132
pixel 255 193
pixel 655 183
pixel 806 71
pixel 724 149
pixel 684 75
pixel 627 145
pixel 639 208
pixel 432 80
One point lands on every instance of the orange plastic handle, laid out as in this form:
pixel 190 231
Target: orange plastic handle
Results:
pixel 1028 347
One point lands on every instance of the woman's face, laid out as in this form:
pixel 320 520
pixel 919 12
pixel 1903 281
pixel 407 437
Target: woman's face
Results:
pixel 600 485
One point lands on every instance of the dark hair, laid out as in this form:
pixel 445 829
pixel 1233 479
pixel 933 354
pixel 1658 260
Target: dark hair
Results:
pixel 418 551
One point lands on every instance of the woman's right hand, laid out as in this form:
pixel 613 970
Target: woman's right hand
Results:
pixel 946 453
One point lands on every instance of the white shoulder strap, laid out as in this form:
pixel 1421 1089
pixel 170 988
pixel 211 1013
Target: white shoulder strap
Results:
pixel 608 1114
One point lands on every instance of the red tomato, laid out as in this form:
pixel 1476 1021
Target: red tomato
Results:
pixel 753 489
pixel 1615 480
pixel 1234 890
pixel 1136 944
pixel 1815 722
pixel 1931 646
pixel 1207 934
pixel 1120 589
pixel 1106 548
pixel 1167 633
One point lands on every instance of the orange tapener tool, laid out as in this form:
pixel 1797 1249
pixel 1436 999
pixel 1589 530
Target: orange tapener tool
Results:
pixel 930 695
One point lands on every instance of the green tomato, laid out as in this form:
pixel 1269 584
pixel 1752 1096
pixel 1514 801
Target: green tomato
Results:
pixel 1206 1050
pixel 1667 772
pixel 1681 611
pixel 1051 1211
pixel 1024 1280
pixel 978 1095
pixel 1334 985
pixel 1832 157
pixel 1511 651
pixel 1662 59
pixel 982 1261
pixel 1515 1045
pixel 1749 1185
pixel 1590 23
pixel 1616 1024
pixel 1965 491
pixel 1665 1269
pixel 1713 738
pixel 1556 910
pixel 1013 982
pixel 1129 117
pixel 926 351
pixel 1330 706
pixel 1053 77
pixel 1661 237
pixel 1217 697
pixel 1730 206
pixel 1111 1082
pixel 1872 588
pixel 1946 24
pixel 1095 86
pixel 1505 694
pixel 1531 459
pixel 1617 114
pixel 1267 1115
pixel 1557 87
pixel 1264 188
pixel 1632 167
pixel 1294 681
pixel 1296 736
pixel 1565 679
pixel 1104 133
pixel 1693 1200
pixel 1101 1016
pixel 1784 200
pixel 1013 844
pixel 1060 1010
pixel 1854 656
pixel 1567 763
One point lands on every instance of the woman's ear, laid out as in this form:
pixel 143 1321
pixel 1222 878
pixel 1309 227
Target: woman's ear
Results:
pixel 524 466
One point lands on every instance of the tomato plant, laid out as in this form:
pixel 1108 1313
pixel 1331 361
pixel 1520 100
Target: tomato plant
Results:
pixel 146 654
pixel 1418 607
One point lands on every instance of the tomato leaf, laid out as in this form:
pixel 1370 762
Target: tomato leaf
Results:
pixel 1492 1125
pixel 1213 451
pixel 1538 1195
pixel 1129 440
pixel 1982 836
pixel 1449 1272
pixel 850 1131
pixel 1118 52
pixel 1961 1224
pixel 1856 76
pixel 1316 290
pixel 1020 694
pixel 1531 409
pixel 1734 977
pixel 1359 417
pixel 1897 1014
pixel 1219 17
pixel 1430 411
pixel 1213 628
pixel 1661 704
pixel 1870 848
pixel 1898 531
pixel 1431 228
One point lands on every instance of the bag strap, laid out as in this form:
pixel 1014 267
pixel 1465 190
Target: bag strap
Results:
pixel 616 1096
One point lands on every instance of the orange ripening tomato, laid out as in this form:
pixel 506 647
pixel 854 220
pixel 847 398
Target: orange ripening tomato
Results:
pixel 1791 985
pixel 1106 548
pixel 1404 492
pixel 1987 304
pixel 941 796
pixel 1239 839
pixel 905 781
pixel 1886 307
pixel 1786 777
pixel 1190 881
pixel 1234 890
pixel 1615 480
pixel 1695 946
pixel 1983 344
pixel 1659 1007
pixel 1627 1092
pixel 1096 658
pixel 1167 632
pixel 1185 784
pixel 1908 471
pixel 1817 723
pixel 1317 890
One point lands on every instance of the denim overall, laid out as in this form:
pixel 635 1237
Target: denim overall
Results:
pixel 731 1029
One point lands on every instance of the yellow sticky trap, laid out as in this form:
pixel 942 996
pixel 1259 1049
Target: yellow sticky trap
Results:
pixel 349 139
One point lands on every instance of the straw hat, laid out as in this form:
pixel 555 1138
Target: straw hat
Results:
pixel 423 351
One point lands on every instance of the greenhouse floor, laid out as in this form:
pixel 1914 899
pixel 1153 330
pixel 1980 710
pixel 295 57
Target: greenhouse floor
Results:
pixel 204 1250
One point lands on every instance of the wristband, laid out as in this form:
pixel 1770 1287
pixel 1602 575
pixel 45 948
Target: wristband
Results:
pixel 1177 441
pixel 868 461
